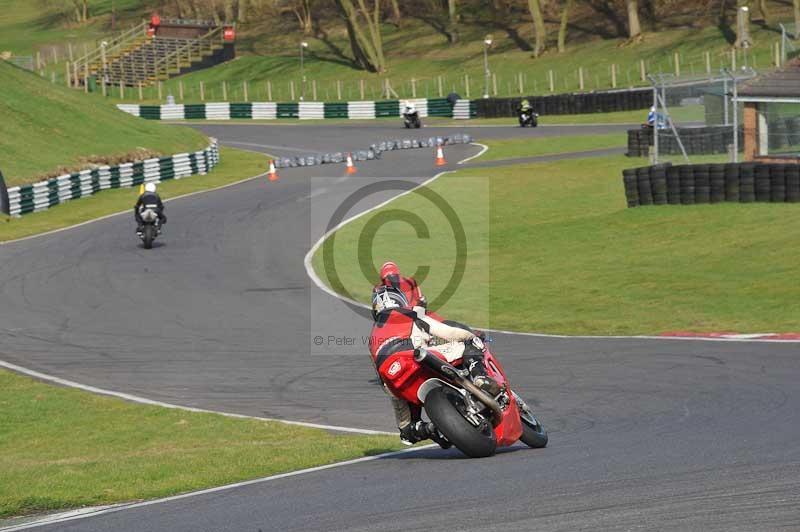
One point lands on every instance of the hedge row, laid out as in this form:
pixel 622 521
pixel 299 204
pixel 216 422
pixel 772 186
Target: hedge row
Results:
pixel 712 183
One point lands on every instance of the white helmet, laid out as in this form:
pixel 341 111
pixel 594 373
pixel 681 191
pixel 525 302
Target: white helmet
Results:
pixel 150 187
pixel 410 107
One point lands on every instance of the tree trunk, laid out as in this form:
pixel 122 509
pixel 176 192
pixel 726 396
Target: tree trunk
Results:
pixel 562 30
pixel 367 51
pixel 396 15
pixel 762 8
pixel 85 10
pixel 538 27
pixel 241 14
pixel 634 29
pixel 452 21
pixel 796 4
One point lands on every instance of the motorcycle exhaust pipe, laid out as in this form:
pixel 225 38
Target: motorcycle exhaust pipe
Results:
pixel 442 367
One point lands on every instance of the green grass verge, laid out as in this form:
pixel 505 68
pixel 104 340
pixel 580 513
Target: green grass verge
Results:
pixel 567 256
pixel 64 448
pixel 47 129
pixel 530 147
pixel 234 165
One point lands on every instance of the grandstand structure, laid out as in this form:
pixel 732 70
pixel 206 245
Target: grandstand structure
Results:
pixel 155 50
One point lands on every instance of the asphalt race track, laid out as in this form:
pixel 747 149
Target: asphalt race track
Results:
pixel 644 434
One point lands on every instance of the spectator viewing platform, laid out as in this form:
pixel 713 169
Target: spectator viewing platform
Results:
pixel 156 50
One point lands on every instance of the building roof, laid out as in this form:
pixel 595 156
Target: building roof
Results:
pixel 780 83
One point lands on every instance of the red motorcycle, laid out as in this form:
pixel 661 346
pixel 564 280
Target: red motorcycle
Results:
pixel 462 414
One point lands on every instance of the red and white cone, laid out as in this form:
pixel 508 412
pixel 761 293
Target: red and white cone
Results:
pixel 351 168
pixel 273 174
pixel 440 156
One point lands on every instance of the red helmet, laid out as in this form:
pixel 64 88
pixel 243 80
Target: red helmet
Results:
pixel 390 276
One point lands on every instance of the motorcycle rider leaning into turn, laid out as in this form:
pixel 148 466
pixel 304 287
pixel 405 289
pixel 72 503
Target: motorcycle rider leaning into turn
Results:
pixel 401 324
pixel 148 200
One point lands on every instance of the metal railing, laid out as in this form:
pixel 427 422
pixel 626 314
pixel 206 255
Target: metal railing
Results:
pixel 113 47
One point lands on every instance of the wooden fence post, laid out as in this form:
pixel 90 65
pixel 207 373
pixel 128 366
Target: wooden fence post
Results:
pixel 314 89
pixel 224 91
pixel 269 91
pixel 708 62
pixel 338 89
pixel 521 83
pixel 580 77
pixel 121 90
pixel 160 93
pixel 441 89
pixel 361 86
pixel 141 95
pixel 494 83
pixel 614 75
pixel 642 70
pixel 244 91
pixel 202 92
pixel 180 89
pixel 466 84
pixel 68 77
pixel 291 90
pixel 677 64
pixel 551 81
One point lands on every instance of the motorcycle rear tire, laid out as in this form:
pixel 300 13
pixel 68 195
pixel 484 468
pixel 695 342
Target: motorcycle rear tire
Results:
pixel 149 235
pixel 441 406
pixel 417 124
pixel 408 126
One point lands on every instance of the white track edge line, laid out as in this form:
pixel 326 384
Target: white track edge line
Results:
pixel 325 288
pixel 124 506
pixel 152 402
pixel 484 149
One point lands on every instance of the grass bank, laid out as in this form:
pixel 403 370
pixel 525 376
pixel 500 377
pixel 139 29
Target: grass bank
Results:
pixel 47 130
pixel 566 255
pixel 234 165
pixel 63 448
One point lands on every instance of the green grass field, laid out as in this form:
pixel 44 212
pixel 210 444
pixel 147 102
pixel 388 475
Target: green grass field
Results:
pixel 46 130
pixel 63 448
pixel 567 256
pixel 531 147
pixel 235 165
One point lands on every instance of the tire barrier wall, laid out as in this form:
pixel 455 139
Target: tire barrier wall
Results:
pixel 690 184
pixel 4 209
pixel 696 140
pixel 373 152
pixel 44 194
pixel 569 104
pixel 463 109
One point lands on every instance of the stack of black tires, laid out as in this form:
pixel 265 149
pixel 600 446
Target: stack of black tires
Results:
pixel 696 140
pixel 692 184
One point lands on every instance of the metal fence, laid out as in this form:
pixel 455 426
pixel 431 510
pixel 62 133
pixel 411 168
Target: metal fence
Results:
pixel 694 119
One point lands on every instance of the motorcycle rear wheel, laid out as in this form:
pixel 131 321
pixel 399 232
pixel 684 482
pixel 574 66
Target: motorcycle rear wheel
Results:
pixel 149 235
pixel 444 407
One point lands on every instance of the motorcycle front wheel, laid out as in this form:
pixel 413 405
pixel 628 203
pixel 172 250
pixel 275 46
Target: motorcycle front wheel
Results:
pixel 533 433
pixel 445 407
pixel 149 235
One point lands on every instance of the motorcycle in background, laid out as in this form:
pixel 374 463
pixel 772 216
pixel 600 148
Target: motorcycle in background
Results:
pixel 528 118
pixel 411 118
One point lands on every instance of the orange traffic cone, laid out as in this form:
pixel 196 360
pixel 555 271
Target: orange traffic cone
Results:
pixel 351 168
pixel 440 156
pixel 273 174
